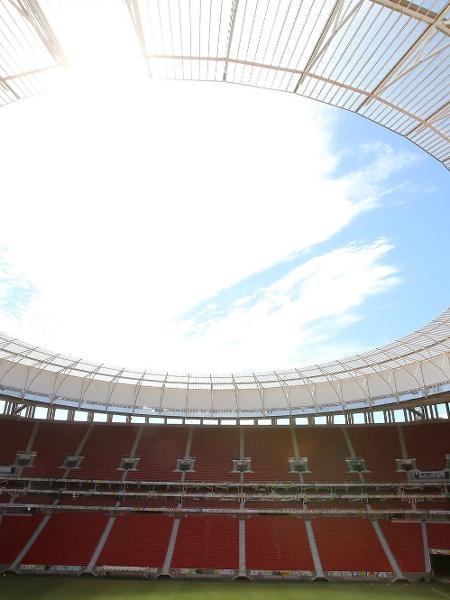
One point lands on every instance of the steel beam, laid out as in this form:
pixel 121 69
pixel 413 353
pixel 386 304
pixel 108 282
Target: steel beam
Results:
pixel 423 37
pixel 32 12
pixel 410 9
pixel 135 14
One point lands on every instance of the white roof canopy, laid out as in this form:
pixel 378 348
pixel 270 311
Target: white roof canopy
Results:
pixel 412 367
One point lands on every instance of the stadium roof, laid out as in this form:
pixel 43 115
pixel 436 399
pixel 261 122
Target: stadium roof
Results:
pixel 386 60
pixel 413 367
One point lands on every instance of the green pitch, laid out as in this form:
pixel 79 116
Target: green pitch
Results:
pixel 62 588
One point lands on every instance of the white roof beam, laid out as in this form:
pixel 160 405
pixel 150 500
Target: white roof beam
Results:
pixel 234 10
pixel 135 15
pixel 415 11
pixel 416 46
pixel 32 12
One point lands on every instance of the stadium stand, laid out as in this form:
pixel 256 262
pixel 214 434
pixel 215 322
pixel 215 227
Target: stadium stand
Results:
pixel 326 459
pixel 429 455
pixel 277 543
pixel 50 457
pixel 137 541
pixel 213 543
pixel 214 455
pixel 349 545
pixel 207 543
pixel 158 451
pixel 15 531
pixel 439 535
pixel 405 541
pixel 102 452
pixel 67 539
pixel 379 446
pixel 14 437
pixel 269 451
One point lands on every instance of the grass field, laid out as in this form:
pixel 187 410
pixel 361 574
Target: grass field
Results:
pixel 61 588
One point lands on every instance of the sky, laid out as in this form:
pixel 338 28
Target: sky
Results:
pixel 199 227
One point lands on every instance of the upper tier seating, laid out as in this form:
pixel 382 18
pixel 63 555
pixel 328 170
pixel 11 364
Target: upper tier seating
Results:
pixel 379 446
pixel 14 437
pixel 51 444
pixel 428 443
pixel 326 450
pixel 270 451
pixel 102 452
pixel 215 449
pixel 214 455
pixel 158 449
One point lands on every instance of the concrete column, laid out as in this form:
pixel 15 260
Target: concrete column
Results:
pixel 171 547
pixel 314 550
pixel 33 538
pixel 388 552
pixel 426 552
pixel 242 549
pixel 100 544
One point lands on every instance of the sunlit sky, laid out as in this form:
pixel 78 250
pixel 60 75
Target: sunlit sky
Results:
pixel 200 227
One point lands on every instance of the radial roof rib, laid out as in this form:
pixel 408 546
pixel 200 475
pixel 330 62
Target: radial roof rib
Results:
pixel 30 52
pixel 135 14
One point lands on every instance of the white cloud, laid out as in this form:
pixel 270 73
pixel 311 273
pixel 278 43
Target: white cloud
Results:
pixel 125 212
pixel 295 319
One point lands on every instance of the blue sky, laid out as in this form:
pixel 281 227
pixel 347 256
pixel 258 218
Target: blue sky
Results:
pixel 208 228
pixel 416 218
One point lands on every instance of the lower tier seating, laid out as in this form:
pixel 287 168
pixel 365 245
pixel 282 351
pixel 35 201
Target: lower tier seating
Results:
pixel 207 542
pixel 349 545
pixel 439 535
pixel 137 541
pixel 276 543
pixel 15 531
pixel 272 543
pixel 406 543
pixel 67 539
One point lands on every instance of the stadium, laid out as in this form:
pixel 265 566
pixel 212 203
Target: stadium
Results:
pixel 311 482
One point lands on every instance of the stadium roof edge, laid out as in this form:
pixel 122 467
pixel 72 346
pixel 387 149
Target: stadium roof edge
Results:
pixel 416 365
